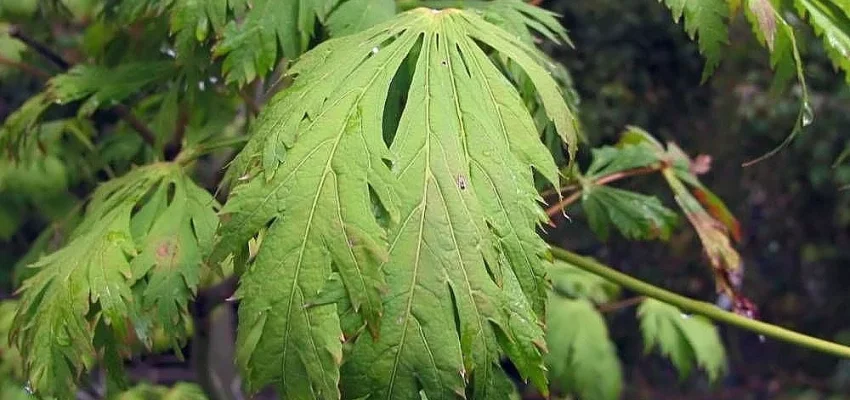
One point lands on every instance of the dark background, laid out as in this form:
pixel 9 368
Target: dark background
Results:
pixel 632 66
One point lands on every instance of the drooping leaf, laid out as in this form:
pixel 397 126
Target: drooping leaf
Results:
pixel 356 15
pixel 197 18
pixel 635 215
pixel 687 340
pixel 608 160
pixel 103 87
pixel 775 33
pixel 524 18
pixel 577 283
pixel 456 283
pixel 763 17
pixel 180 391
pixel 83 290
pixel 10 358
pixel 250 48
pixel 10 48
pixel 15 134
pixel 173 237
pixel 714 226
pixel 705 20
pixel 582 359
pixel 831 21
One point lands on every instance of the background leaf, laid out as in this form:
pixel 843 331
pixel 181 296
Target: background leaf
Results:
pixel 684 339
pixel 582 359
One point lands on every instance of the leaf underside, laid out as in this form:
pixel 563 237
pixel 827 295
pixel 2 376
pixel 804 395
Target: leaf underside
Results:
pixel 135 236
pixel 432 236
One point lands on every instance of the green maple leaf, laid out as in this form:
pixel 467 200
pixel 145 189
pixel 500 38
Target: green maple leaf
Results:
pixel 574 282
pixel 685 339
pixel 831 21
pixel 356 15
pixel 131 237
pixel 705 20
pixel 180 391
pixel 173 239
pixel 197 18
pixel 582 359
pixel 250 48
pixel 104 87
pixel 608 160
pixel 635 215
pixel 448 272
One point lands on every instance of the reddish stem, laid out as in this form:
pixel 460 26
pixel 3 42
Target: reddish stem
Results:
pixel 561 205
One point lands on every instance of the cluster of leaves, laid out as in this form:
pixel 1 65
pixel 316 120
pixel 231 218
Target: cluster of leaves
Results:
pixel 382 215
pixel 583 360
pixel 639 217
pixel 131 265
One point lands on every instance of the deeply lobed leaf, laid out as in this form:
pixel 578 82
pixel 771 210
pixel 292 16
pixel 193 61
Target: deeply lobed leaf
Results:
pixel 635 215
pixel 831 20
pixel 705 20
pixel 101 86
pixel 250 48
pixel 582 358
pixel 449 274
pixel 133 236
pixel 685 339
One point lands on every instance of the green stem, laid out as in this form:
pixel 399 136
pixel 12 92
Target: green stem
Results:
pixel 700 307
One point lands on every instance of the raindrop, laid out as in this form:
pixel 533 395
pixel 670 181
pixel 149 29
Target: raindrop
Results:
pixel 435 11
pixel 168 51
pixel 808 115
pixel 685 316
pixel 202 86
pixel 28 389
pixel 213 80
pixel 374 50
pixel 58 101
pixel 761 338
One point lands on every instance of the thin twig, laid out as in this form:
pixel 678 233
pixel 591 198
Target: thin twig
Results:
pixel 172 149
pixel 561 205
pixel 40 48
pixel 249 102
pixel 30 69
pixel 705 309
pixel 137 124
pixel 123 111
pixel 619 305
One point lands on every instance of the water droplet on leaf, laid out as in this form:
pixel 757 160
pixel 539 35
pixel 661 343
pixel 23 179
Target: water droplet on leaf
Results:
pixel 685 316
pixel 374 50
pixel 202 86
pixel 28 389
